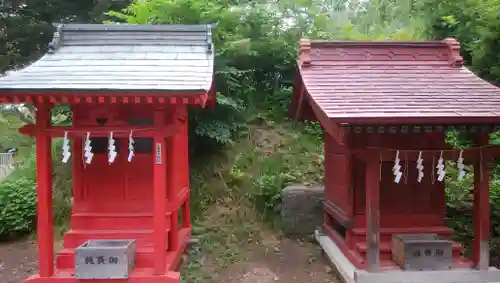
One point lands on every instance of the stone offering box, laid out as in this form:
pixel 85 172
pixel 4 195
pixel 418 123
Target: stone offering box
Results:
pixel 105 259
pixel 421 252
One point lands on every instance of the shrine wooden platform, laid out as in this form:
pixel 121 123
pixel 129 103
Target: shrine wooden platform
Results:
pixel 462 272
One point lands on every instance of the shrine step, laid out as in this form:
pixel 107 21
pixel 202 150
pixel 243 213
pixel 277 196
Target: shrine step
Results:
pixel 386 250
pixel 359 234
pixel 65 258
pixel 113 221
pixel 138 275
pixel 75 238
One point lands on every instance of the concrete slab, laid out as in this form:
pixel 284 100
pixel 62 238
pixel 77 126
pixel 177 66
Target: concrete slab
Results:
pixel 351 274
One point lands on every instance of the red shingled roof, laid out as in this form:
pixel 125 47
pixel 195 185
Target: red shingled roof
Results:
pixel 393 82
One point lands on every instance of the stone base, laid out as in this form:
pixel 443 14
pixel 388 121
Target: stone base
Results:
pixel 350 274
pixel 301 210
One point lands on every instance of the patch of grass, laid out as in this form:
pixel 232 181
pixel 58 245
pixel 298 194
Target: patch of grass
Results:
pixel 280 155
pixel 231 195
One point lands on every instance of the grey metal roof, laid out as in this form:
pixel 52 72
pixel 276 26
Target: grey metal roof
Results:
pixel 85 57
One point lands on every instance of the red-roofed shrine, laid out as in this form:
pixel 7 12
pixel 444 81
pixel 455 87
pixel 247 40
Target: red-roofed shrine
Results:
pixel 385 108
pixel 128 88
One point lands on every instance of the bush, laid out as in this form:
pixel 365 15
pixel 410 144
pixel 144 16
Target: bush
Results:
pixel 211 129
pixel 17 206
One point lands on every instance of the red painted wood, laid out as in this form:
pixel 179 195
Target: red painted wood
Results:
pixel 109 98
pixel 77 156
pixel 182 156
pixel 482 178
pixel 131 185
pixel 44 193
pixel 469 155
pixel 373 213
pixel 186 214
pixel 173 186
pixel 97 131
pixel 138 275
pixel 160 194
pixel 337 174
pixel 343 88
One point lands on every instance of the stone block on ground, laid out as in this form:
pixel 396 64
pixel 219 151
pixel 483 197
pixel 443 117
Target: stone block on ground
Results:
pixel 302 209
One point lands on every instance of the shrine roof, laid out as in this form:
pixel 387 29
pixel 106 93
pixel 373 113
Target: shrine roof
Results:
pixel 394 82
pixel 100 57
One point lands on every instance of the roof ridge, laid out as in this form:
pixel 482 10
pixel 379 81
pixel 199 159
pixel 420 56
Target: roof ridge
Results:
pixel 305 53
pixel 450 53
pixel 56 39
pixel 131 34
pixel 124 27
pixel 455 59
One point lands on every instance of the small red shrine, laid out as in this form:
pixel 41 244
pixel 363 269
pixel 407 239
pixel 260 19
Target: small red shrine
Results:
pixel 384 108
pixel 128 87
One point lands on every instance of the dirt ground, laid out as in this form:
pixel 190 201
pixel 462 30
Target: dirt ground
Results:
pixel 290 262
pixel 17 260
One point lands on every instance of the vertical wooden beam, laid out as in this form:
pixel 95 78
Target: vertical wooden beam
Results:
pixel 77 157
pixel 186 213
pixel 44 191
pixel 184 144
pixel 160 194
pixel 372 183
pixel 482 177
pixel 174 169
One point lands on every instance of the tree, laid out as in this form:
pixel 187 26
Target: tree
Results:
pixel 26 26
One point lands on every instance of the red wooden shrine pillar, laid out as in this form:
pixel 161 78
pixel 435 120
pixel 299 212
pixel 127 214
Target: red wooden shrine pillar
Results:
pixel 181 160
pixel 482 177
pixel 160 193
pixel 173 183
pixel 186 209
pixel 44 191
pixel 372 184
pixel 179 176
pixel 77 162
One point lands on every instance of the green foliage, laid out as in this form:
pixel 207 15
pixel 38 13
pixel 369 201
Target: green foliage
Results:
pixel 17 206
pixel 211 128
pixel 476 24
pixel 277 156
pixel 10 136
pixel 27 29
